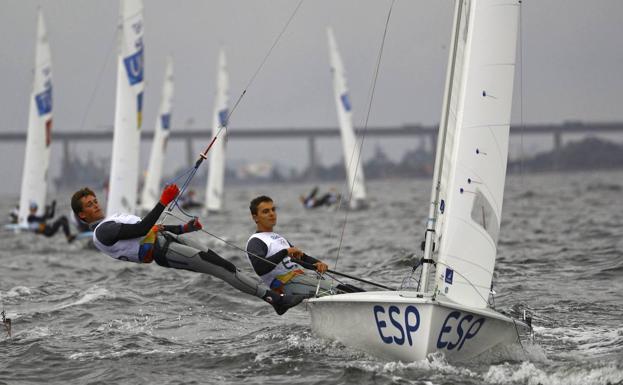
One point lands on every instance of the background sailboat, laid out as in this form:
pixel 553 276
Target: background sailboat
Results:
pixel 128 110
pixel 152 188
pixel 216 171
pixel 454 316
pixel 350 145
pixel 39 136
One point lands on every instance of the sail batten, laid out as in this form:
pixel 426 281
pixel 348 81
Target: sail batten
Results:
pixel 123 183
pixel 39 134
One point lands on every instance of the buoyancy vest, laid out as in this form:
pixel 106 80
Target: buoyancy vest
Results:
pixel 283 271
pixel 125 249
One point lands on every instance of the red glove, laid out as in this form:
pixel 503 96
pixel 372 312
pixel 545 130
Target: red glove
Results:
pixel 192 225
pixel 168 194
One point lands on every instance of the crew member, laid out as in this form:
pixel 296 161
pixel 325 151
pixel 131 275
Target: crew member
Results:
pixel 130 238
pixel 278 263
pixel 39 224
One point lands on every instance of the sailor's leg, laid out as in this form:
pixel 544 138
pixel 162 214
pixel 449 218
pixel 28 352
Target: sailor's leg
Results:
pixel 181 256
pixel 64 223
pixel 185 257
pixel 306 285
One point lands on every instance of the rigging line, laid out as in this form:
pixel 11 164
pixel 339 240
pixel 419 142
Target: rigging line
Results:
pixel 365 128
pixel 222 127
pixel 521 116
pixel 265 59
pixel 99 80
pixel 330 274
pixel 466 279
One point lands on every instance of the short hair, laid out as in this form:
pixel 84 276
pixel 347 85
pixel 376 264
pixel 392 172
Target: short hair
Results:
pixel 76 199
pixel 256 202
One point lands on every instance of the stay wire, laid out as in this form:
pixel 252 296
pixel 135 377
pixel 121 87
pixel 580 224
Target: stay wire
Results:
pixel 222 126
pixel 232 245
pixel 365 128
pixel 99 81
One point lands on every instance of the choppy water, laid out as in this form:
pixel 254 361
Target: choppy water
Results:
pixel 81 317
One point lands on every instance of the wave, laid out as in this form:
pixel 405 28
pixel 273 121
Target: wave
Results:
pixel 529 373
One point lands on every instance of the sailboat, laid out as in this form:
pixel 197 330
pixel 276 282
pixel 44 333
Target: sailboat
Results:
pixel 124 165
pixel 152 188
pixel 39 135
pixel 216 172
pixel 452 314
pixel 350 145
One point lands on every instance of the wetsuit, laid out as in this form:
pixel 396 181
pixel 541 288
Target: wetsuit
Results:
pixel 130 238
pixel 268 254
pixel 40 226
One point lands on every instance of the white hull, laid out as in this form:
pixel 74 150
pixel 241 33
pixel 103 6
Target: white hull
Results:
pixel 398 326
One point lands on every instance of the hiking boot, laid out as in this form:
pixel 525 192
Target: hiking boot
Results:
pixel 281 302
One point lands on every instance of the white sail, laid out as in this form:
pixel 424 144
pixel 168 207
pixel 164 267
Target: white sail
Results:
pixel 467 191
pixel 128 110
pixel 350 145
pixel 476 119
pixel 216 172
pixel 37 154
pixel 152 188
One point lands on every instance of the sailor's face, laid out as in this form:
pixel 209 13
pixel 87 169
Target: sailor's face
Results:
pixel 91 210
pixel 266 216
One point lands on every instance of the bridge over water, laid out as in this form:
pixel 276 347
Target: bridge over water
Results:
pixel 311 134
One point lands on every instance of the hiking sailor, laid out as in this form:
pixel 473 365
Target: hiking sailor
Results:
pixel 130 238
pixel 278 263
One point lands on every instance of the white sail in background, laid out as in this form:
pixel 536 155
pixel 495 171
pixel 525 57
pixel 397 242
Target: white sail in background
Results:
pixel 216 172
pixel 350 144
pixel 37 154
pixel 128 110
pixel 152 188
pixel 476 118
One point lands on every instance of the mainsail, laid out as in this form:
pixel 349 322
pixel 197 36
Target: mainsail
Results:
pixel 128 110
pixel 37 154
pixel 350 145
pixel 474 150
pixel 216 172
pixel 151 188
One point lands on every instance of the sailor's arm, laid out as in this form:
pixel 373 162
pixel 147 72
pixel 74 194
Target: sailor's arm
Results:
pixel 257 250
pixel 309 261
pixel 110 232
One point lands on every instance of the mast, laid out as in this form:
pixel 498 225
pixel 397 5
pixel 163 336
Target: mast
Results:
pixel 123 182
pixel 216 173
pixel 439 153
pixel 39 136
pixel 151 189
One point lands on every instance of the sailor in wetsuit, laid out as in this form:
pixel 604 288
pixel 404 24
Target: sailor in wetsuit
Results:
pixel 39 224
pixel 278 263
pixel 130 238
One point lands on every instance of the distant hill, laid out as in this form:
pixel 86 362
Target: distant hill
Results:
pixel 587 154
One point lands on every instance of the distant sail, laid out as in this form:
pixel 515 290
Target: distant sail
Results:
pixel 476 118
pixel 216 172
pixel 152 187
pixel 128 110
pixel 350 144
pixel 37 154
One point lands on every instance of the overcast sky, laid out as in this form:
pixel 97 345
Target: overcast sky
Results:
pixel 570 63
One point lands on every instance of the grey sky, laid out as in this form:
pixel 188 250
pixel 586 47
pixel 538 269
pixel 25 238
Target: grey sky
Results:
pixel 571 58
